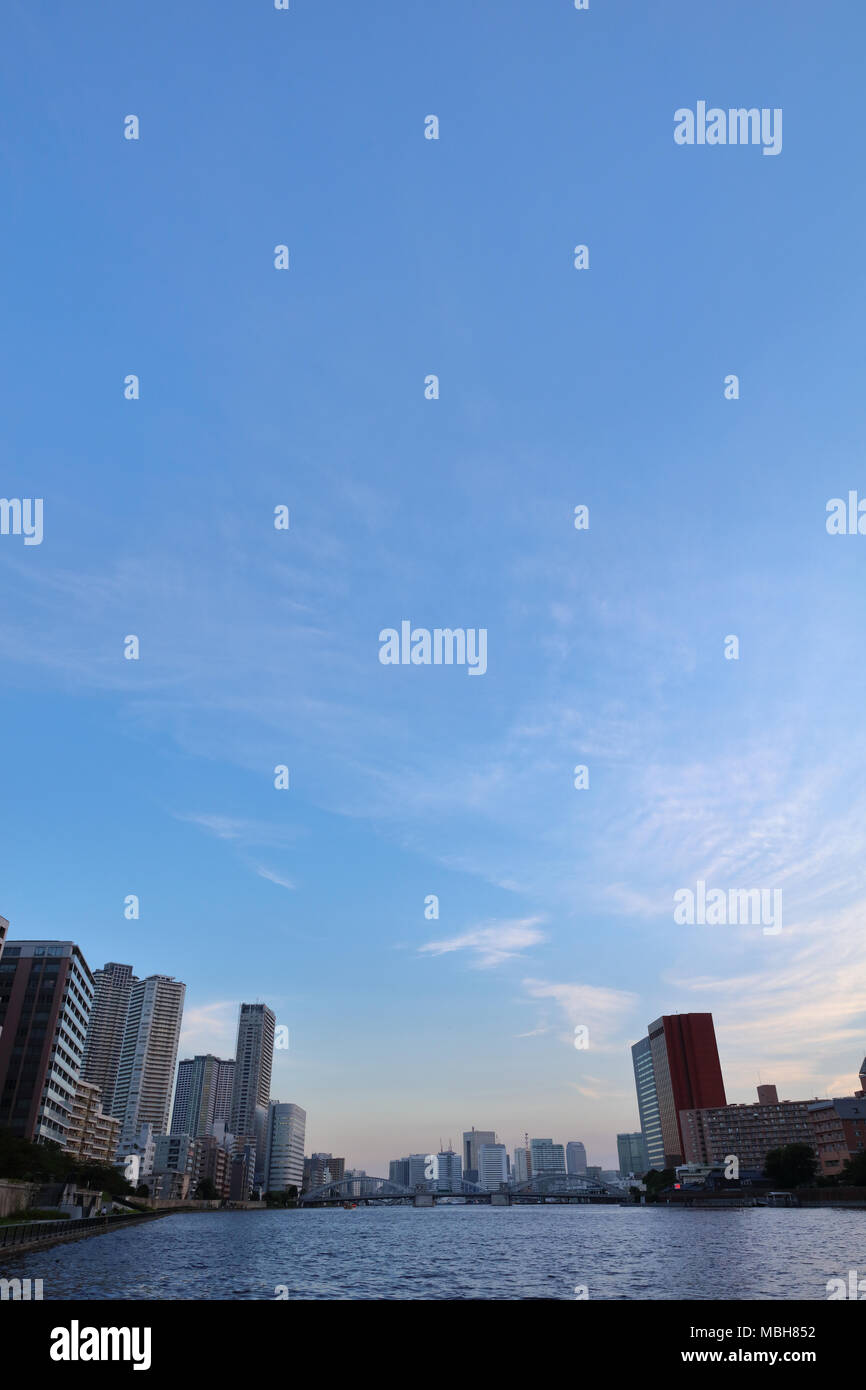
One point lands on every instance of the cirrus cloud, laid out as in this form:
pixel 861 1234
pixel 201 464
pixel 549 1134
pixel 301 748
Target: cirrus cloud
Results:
pixel 493 942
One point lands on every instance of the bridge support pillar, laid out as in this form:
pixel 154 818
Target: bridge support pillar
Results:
pixel 500 1199
pixel 424 1199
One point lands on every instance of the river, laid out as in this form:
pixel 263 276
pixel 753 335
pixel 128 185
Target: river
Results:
pixel 477 1252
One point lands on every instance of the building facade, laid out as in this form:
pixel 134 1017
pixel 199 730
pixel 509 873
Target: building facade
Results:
pixel 242 1170
pixel 648 1103
pixel 254 1061
pixel 546 1157
pixel 102 1046
pixel 174 1153
pixel 398 1172
pixel 472 1140
pixel 93 1136
pixel 449 1169
pixel 202 1094
pixel 575 1158
pixel 135 1155
pixel 632 1153
pixel 745 1132
pixel 838 1129
pixel 676 1068
pixel 492 1166
pixel 148 1055
pixel 284 1147
pixel 212 1164
pixel 521 1165
pixel 46 994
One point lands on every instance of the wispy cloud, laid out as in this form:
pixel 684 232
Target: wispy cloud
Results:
pixel 491 944
pixel 210 1028
pixel 796 1010
pixel 591 1006
pixel 274 878
pixel 243 832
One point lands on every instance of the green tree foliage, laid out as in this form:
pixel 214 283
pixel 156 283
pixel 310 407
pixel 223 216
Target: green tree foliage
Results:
pixel 792 1165
pixel 27 1162
pixel 282 1197
pixel 854 1172
pixel 656 1181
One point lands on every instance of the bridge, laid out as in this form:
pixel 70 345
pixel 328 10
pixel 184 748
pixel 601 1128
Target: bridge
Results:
pixel 553 1188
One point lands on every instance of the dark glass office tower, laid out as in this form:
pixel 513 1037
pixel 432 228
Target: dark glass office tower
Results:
pixel 648 1102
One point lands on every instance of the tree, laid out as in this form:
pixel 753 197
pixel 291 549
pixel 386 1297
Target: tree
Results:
pixel 282 1197
pixel 854 1172
pixel 109 1179
pixel 24 1160
pixel 656 1181
pixel 206 1191
pixel 792 1165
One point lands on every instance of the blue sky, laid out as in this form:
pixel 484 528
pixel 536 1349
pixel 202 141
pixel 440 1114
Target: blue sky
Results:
pixel 557 387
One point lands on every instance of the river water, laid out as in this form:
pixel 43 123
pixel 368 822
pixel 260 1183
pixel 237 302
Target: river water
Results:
pixel 446 1252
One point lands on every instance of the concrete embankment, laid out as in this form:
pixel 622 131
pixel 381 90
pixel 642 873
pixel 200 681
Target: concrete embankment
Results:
pixel 18 1238
pixel 40 1235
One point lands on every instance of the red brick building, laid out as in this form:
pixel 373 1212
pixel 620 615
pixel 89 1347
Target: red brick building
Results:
pixel 746 1131
pixel 838 1131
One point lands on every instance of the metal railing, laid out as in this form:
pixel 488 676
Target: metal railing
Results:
pixel 28 1231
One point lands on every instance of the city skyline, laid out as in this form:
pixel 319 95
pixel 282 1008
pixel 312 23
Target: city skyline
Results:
pixel 561 385
pixel 676 1076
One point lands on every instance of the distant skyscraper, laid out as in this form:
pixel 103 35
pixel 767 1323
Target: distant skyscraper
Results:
pixel 102 1046
pixel 183 1087
pixel 520 1168
pixel 4 927
pixel 260 1140
pixel 253 1063
pixel 575 1158
pixel 768 1095
pixel 633 1157
pixel 648 1103
pixel 676 1068
pixel 148 1055
pixel 398 1171
pixel 492 1166
pixel 450 1169
pixel 202 1094
pixel 419 1166
pixel 336 1167
pixel 546 1157
pixel 284 1147
pixel 322 1168
pixel 224 1082
pixel 472 1141
pixel 46 994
